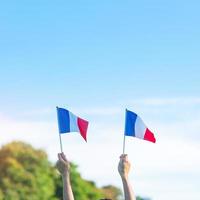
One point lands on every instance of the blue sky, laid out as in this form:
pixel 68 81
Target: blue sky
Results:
pixel 98 58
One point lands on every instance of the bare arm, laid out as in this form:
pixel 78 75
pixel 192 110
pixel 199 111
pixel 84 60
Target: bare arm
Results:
pixel 63 167
pixel 124 168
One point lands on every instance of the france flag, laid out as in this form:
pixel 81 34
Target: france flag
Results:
pixel 134 126
pixel 68 122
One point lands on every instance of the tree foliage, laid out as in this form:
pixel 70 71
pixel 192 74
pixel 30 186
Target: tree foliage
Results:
pixel 26 174
pixel 82 189
pixel 140 198
pixel 112 192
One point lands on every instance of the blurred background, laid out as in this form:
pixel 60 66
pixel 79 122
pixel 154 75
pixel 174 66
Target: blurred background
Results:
pixel 97 58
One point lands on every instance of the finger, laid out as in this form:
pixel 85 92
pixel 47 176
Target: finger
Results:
pixel 64 157
pixel 121 156
pixel 124 157
pixel 60 158
pixel 58 155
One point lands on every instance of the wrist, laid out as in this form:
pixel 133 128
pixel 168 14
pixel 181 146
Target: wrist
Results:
pixel 124 178
pixel 65 174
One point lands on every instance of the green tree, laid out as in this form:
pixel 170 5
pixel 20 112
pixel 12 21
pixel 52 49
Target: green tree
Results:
pixel 140 198
pixel 112 192
pixel 25 173
pixel 82 189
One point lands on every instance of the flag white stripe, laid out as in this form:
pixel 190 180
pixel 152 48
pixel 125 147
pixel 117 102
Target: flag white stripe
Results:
pixel 140 128
pixel 73 123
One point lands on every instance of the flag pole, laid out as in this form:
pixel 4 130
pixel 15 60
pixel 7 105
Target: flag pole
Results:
pixel 61 146
pixel 124 142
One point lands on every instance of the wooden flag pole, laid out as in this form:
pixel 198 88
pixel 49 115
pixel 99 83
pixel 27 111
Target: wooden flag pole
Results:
pixel 61 146
pixel 124 143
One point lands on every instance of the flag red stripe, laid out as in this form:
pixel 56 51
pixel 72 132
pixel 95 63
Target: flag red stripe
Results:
pixel 83 125
pixel 149 136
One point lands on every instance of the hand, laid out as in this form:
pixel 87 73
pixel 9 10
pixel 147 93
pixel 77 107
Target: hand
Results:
pixel 124 166
pixel 63 165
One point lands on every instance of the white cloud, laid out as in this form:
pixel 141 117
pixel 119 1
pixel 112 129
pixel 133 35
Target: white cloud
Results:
pixel 173 159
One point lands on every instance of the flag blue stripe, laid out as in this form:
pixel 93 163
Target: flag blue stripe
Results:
pixel 63 120
pixel 130 123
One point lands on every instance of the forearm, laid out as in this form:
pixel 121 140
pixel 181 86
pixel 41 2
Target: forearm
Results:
pixel 67 189
pixel 128 191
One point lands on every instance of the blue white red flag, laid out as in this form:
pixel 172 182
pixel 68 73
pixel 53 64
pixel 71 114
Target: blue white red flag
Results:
pixel 134 126
pixel 68 122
